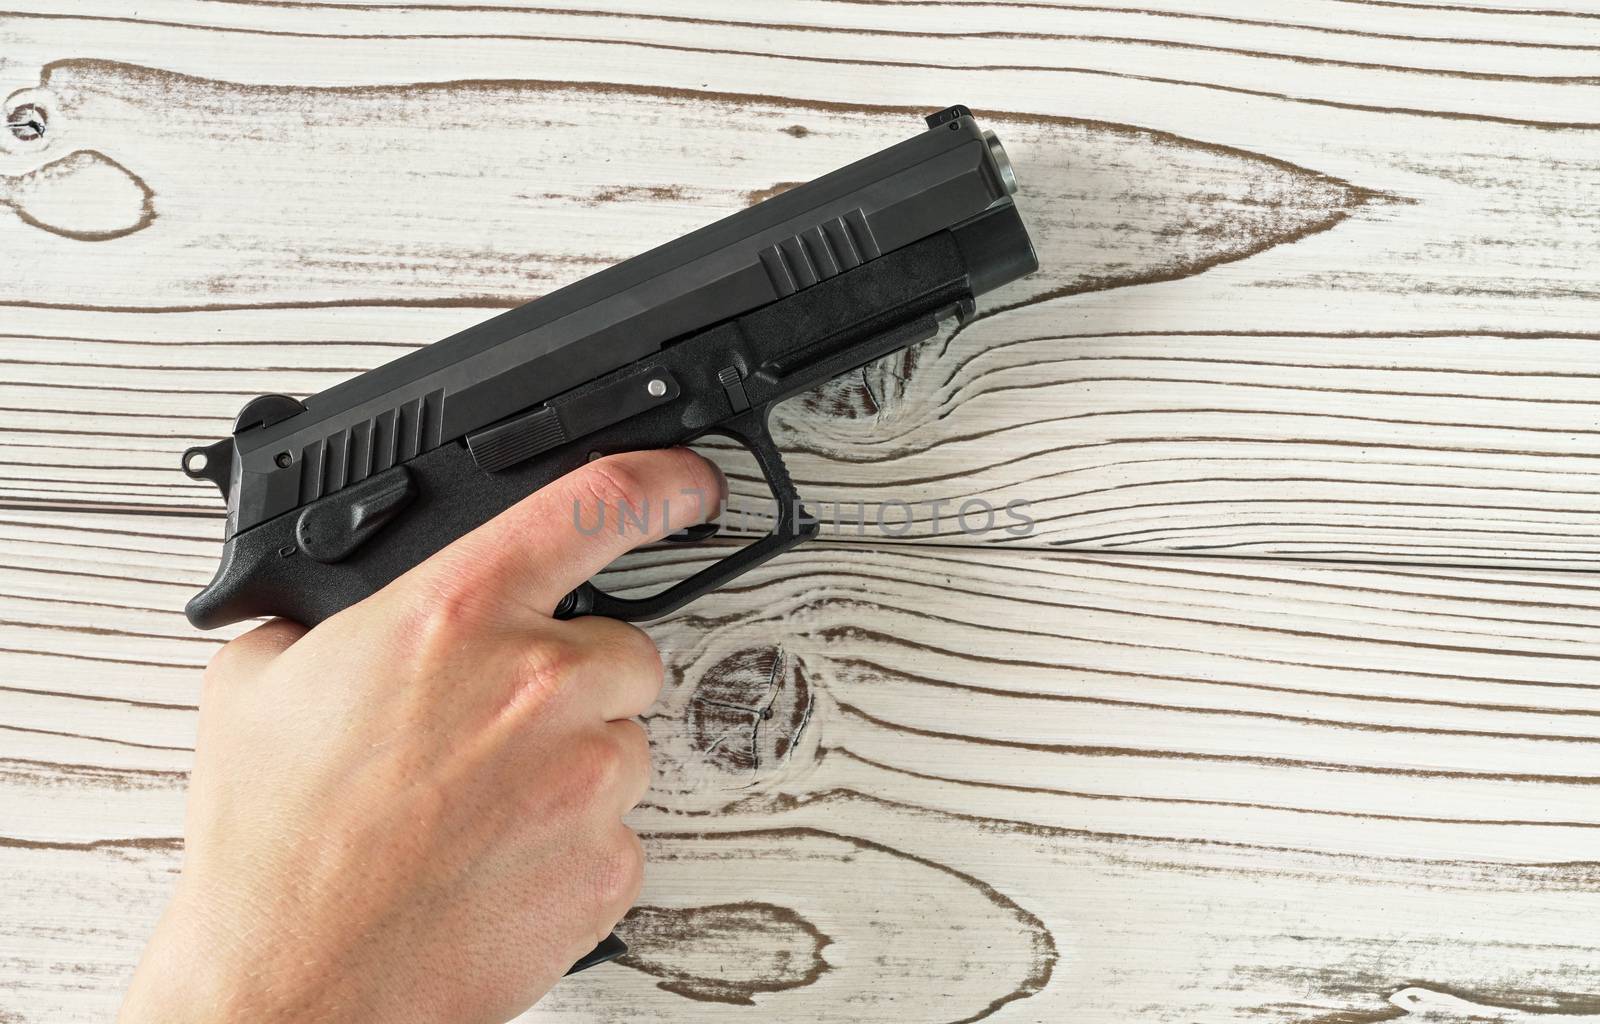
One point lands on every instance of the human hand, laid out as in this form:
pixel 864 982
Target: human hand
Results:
pixel 413 812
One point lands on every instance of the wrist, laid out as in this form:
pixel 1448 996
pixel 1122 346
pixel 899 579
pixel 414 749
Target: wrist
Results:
pixel 176 982
pixel 192 974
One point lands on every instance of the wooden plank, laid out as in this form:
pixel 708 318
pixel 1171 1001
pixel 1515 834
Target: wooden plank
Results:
pixel 1319 283
pixel 451 224
pixel 1280 327
pixel 941 782
pixel 1466 449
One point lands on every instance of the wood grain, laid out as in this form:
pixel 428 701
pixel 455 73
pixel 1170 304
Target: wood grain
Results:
pixel 1453 448
pixel 1338 241
pixel 576 197
pixel 1318 303
pixel 1322 784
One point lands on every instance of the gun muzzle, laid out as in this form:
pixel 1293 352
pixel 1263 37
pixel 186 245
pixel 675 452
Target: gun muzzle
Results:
pixel 1002 163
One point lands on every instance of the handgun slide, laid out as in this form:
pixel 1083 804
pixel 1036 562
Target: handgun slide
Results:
pixel 330 499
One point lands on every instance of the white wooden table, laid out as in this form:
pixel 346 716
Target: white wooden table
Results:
pixel 1289 708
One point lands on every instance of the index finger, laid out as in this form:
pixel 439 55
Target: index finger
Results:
pixel 531 555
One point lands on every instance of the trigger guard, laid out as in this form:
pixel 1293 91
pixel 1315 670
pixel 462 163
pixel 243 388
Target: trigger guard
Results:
pixel 794 525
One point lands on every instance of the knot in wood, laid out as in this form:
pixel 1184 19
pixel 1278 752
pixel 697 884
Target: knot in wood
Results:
pixel 751 949
pixel 748 711
pixel 27 122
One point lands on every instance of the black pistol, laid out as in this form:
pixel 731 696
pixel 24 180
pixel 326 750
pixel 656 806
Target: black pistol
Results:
pixel 331 498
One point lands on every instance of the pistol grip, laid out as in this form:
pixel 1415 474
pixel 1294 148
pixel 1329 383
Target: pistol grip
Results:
pixel 610 948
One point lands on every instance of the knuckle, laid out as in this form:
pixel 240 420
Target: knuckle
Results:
pixel 640 652
pixel 591 769
pixel 615 484
pixel 619 873
pixel 703 474
pixel 436 631
pixel 634 771
pixel 634 743
pixel 600 765
pixel 547 666
pixel 607 764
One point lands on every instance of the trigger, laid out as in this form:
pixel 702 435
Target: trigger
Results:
pixel 695 534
